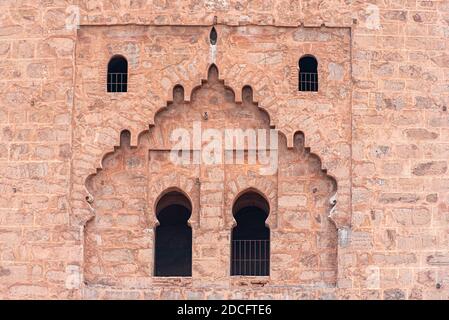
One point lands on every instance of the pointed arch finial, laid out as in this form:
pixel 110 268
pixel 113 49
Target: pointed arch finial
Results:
pixel 125 138
pixel 212 74
pixel 213 36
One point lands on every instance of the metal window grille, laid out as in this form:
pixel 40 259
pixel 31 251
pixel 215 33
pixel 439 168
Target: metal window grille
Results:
pixel 117 82
pixel 308 81
pixel 250 258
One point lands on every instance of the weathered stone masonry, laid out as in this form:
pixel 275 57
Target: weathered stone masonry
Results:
pixel 119 252
pixel 81 169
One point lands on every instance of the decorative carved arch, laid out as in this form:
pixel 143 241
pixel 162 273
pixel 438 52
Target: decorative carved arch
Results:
pixel 297 141
pixel 182 186
pixel 264 187
pixel 250 190
pixel 136 139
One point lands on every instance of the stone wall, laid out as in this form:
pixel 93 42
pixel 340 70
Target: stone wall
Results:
pixel 378 125
pixel 120 237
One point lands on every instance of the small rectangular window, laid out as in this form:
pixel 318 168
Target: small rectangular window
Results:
pixel 308 74
pixel 117 80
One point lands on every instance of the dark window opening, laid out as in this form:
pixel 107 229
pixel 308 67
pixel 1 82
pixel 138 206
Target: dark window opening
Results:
pixel 173 240
pixel 117 75
pixel 308 74
pixel 250 249
pixel 213 36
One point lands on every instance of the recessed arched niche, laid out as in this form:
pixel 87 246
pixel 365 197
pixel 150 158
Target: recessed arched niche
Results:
pixel 222 210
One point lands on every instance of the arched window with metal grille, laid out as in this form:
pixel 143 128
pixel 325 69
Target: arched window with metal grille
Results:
pixel 308 73
pixel 117 80
pixel 250 239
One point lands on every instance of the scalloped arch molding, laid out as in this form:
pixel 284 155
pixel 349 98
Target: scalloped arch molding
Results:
pixel 123 192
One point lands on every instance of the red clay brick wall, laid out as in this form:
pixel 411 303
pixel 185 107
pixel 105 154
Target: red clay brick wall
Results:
pixel 379 126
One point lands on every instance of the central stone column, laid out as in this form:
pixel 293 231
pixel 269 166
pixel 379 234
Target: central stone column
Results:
pixel 212 240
